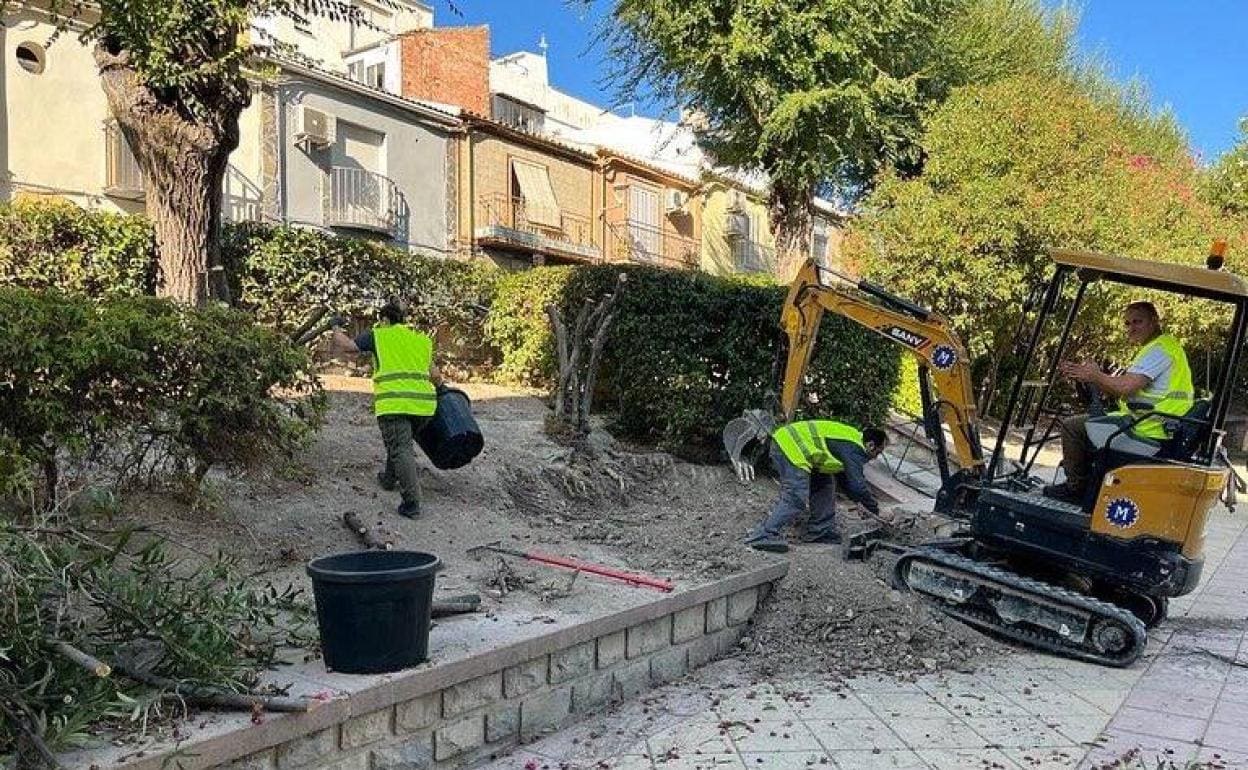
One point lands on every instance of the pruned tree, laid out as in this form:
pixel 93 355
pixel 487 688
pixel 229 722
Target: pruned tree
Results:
pixel 820 95
pixel 578 352
pixel 173 72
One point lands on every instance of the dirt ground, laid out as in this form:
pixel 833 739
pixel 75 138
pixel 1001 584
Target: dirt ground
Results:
pixel 648 513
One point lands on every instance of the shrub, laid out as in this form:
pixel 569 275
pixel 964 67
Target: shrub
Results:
pixel 689 351
pixel 57 245
pixel 139 385
pixel 281 273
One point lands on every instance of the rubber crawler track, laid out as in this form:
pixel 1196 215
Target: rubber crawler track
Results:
pixel 1031 636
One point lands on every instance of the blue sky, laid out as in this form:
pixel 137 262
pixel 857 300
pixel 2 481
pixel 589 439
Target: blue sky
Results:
pixel 1192 54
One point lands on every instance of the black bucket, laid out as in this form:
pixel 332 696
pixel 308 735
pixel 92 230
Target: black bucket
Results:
pixel 372 608
pixel 451 439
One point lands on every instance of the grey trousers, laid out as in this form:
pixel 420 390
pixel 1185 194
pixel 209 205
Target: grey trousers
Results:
pixel 797 487
pixel 398 431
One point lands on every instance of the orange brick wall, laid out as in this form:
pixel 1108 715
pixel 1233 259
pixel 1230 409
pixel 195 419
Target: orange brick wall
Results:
pixel 448 64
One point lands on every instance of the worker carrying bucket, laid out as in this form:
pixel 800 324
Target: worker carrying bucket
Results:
pixel 412 403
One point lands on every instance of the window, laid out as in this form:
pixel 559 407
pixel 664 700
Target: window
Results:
pixel 643 221
pixel 537 195
pixel 31 57
pixel 518 115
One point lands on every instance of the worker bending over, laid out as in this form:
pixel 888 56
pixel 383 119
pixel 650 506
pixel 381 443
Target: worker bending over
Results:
pixel 1158 380
pixel 405 381
pixel 809 457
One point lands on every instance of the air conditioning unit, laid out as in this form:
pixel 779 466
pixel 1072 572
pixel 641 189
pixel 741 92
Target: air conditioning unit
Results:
pixel 736 225
pixel 314 127
pixel 736 201
pixel 675 200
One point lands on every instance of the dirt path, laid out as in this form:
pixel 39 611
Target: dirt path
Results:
pixel 669 518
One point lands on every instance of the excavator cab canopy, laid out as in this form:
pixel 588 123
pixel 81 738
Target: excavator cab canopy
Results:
pixel 1162 276
pixel 1024 410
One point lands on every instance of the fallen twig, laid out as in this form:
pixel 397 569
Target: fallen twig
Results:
pixel 376 536
pixel 206 696
pixel 90 663
pixel 41 748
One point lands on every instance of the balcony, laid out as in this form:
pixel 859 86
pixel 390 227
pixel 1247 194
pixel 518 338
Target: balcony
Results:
pixel 636 242
pixel 752 257
pixel 503 222
pixel 122 177
pixel 361 200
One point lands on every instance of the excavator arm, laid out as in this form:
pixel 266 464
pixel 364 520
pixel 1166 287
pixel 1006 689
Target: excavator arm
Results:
pixel 927 335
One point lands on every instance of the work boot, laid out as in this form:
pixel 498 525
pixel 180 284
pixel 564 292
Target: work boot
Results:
pixel 1064 492
pixel 771 546
pixel 386 482
pixel 409 510
pixel 831 538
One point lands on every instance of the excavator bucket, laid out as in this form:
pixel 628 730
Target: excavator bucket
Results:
pixel 738 434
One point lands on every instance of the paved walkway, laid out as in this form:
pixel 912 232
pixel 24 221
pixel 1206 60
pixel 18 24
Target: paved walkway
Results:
pixel 1186 701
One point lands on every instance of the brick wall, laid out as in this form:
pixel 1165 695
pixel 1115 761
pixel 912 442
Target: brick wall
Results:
pixel 473 719
pixel 448 64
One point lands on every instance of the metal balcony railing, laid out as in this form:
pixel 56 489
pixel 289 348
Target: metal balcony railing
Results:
pixel 122 176
pixel 637 242
pixel 753 257
pixel 362 200
pixel 505 220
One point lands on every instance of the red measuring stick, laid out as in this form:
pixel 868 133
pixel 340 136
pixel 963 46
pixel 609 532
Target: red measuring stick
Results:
pixel 599 569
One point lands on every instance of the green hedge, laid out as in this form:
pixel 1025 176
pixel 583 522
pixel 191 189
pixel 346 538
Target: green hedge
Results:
pixel 277 273
pixel 57 245
pixel 688 351
pixel 141 385
pixel 280 273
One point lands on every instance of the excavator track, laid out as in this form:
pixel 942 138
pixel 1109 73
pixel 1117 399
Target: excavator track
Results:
pixel 1029 611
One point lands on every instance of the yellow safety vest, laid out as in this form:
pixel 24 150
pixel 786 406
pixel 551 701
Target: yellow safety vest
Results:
pixel 805 443
pixel 1175 400
pixel 401 383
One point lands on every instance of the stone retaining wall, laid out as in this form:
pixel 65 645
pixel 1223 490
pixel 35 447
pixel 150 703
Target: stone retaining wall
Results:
pixel 464 711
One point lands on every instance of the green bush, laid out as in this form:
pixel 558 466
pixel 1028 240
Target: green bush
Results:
pixel 281 273
pixel 688 351
pixel 141 385
pixel 57 245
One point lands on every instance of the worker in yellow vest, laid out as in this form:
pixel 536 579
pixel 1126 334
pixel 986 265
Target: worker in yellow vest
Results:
pixel 810 457
pixel 1159 380
pixel 405 381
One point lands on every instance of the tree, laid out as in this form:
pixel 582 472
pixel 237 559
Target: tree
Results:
pixel 1023 165
pixel 173 74
pixel 819 95
pixel 1227 183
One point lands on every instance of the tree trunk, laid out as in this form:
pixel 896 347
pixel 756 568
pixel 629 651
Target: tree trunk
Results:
pixel 790 213
pixel 183 155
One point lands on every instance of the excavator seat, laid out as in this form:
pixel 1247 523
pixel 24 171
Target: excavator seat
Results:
pixel 1186 436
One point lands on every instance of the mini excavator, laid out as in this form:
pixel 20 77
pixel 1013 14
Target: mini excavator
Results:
pixel 1083 580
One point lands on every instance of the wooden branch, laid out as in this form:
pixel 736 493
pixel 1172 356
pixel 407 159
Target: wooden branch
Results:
pixel 587 400
pixel 561 352
pixel 456 605
pixel 309 323
pixel 575 345
pixel 92 664
pixel 208 696
pixel 29 734
pixel 377 537
pixel 604 315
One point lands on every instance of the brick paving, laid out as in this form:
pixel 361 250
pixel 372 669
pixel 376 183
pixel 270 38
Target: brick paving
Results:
pixel 1186 701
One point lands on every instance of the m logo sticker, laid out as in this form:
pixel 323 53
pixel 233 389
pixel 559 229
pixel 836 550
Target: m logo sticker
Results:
pixel 1122 512
pixel 944 357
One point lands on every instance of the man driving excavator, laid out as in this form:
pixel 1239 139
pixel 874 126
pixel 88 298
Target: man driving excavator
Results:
pixel 809 457
pixel 1158 380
